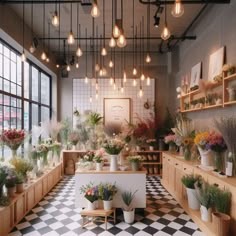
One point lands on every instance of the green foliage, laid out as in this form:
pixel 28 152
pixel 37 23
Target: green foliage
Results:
pixel 107 191
pixel 94 119
pixel 19 178
pixel 4 201
pixel 189 181
pixel 22 166
pixel 65 130
pixel 127 197
pixel 222 200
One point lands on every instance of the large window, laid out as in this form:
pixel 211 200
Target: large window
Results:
pixel 25 93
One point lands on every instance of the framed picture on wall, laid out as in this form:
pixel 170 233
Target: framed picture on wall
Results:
pixel 215 63
pixel 195 76
pixel 117 111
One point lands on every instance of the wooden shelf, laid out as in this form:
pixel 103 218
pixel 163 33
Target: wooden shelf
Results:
pixel 204 108
pixel 231 77
pixel 230 103
pixel 150 163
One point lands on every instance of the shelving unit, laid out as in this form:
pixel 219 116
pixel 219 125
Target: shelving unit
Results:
pixel 215 87
pixel 152 162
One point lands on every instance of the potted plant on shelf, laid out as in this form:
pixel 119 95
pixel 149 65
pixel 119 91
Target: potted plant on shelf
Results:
pixel 10 184
pixel 106 193
pixel 220 218
pixel 135 161
pixel 151 143
pixel 189 181
pixel 170 140
pixel 128 210
pixel 98 158
pixel 19 183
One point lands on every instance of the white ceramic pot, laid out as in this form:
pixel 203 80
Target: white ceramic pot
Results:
pixel 128 216
pixel 113 162
pixel 91 205
pixel 193 201
pixel 99 166
pixel 107 205
pixel 206 157
pixel 206 213
pixel 151 148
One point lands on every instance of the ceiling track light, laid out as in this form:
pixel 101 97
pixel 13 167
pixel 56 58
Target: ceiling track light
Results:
pixel 95 12
pixel 178 9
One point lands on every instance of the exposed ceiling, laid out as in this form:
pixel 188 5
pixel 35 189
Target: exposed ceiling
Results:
pixel 177 26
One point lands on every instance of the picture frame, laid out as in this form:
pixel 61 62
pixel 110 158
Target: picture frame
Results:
pixel 216 62
pixel 117 111
pixel 195 76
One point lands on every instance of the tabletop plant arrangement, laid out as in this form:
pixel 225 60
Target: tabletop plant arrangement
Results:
pixel 170 139
pixel 98 158
pixel 74 138
pixel 151 143
pixel 135 161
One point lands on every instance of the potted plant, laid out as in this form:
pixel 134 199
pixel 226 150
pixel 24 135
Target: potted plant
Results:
pixel 189 181
pixel 98 158
pixel 74 138
pixel 220 218
pixel 170 140
pixel 204 193
pixel 134 161
pixel 19 183
pixel 10 184
pixel 106 193
pixel 128 210
pixel 151 143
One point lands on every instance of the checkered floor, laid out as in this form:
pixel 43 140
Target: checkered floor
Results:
pixel 56 215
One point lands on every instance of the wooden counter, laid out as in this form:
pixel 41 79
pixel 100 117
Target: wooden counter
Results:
pixel 124 181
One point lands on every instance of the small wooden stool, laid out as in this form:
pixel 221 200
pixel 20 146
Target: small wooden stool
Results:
pixel 98 213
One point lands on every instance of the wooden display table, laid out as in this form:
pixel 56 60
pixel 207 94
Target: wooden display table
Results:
pixel 124 181
pixel 98 215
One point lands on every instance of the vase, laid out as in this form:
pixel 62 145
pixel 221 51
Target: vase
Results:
pixel 193 201
pixel 231 164
pixel 99 166
pixel 13 153
pixel 134 166
pixel 91 205
pixel 187 153
pixel 221 223
pixel 151 148
pixel 206 157
pixel 232 94
pixel 137 148
pixel 20 188
pixel 73 147
pixel 128 216
pixel 219 161
pixel 107 205
pixel 205 213
pixel 11 191
pixel 113 163
pixel 172 147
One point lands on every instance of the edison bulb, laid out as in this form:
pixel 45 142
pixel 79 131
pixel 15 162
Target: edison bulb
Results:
pixel 165 33
pixel 95 10
pixel 77 65
pixel 111 64
pixel 47 60
pixel 121 41
pixel 140 92
pixel 23 57
pixel 71 38
pixel 68 68
pixel 122 89
pixel 135 71
pixel 148 81
pixel 178 9
pixel 112 42
pixel 86 79
pixel 55 19
pixel 97 67
pixel 142 77
pixel 116 31
pixel 104 51
pixel 134 82
pixel 43 56
pixel 79 52
pixel 32 49
pixel 100 72
pixel 148 58
pixel 57 65
pixel 104 71
pixel 124 77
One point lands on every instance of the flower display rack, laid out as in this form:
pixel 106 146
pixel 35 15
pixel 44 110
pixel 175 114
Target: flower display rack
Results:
pixel 193 101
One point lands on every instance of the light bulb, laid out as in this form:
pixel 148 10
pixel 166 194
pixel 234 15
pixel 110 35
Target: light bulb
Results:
pixel 96 85
pixel 23 57
pixel 142 77
pixel 111 64
pixel 148 58
pixel 77 65
pixel 100 72
pixel 104 71
pixel 71 38
pixel 178 9
pixel 121 41
pixel 32 49
pixel 97 67
pixel 140 92
pixel 111 81
pixel 122 89
pixel 114 86
pixel 178 90
pixel 124 77
pixel 116 31
pixel 95 10
pixel 96 95
pixel 112 42
pixel 86 79
pixel 90 99
pixel 148 81
pixel 55 19
pixel 57 65
pixel 165 33
pixel 79 52
pixel 135 71
pixel 104 51
pixel 134 82
pixel 43 56
pixel 68 68
pixel 179 96
pixel 47 60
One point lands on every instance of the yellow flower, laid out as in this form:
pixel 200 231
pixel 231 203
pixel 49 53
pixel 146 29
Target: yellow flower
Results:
pixel 201 138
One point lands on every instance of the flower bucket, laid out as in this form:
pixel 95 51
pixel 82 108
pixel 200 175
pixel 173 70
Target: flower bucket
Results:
pixel 128 216
pixel 151 148
pixel 91 205
pixel 99 166
pixel 193 201
pixel 113 163
pixel 107 205
pixel 206 157
pixel 134 166
pixel 205 214
pixel 221 223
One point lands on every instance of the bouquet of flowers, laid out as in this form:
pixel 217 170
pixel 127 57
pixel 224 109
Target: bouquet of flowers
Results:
pixel 170 139
pixel 201 140
pixel 113 146
pixel 136 158
pixel 56 147
pixel 90 192
pixel 5 170
pixel 107 191
pixel 151 142
pixel 89 156
pixel 13 138
pixel 22 166
pixel 74 137
pixel 98 156
pixel 215 142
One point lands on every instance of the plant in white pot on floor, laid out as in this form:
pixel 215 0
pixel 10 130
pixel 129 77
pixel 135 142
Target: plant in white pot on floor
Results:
pixel 128 210
pixel 189 181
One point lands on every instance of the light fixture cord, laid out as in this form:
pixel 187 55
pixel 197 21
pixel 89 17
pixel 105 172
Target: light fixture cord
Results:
pixel 32 13
pixel 142 44
pixel 165 12
pixel 48 37
pixel 93 62
pixel 104 23
pixel 148 26
pixel 23 26
pixel 86 45
pixel 133 35
pixel 43 25
pixel 140 48
pixel 59 30
pixel 71 16
pixel 77 24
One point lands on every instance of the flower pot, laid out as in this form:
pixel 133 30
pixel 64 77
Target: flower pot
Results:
pixel 11 191
pixel 219 162
pixel 172 147
pixel 73 147
pixel 221 223
pixel 205 213
pixel 99 166
pixel 113 163
pixel 206 157
pixel 128 216
pixel 20 188
pixel 134 166
pixel 187 153
pixel 137 148
pixel 193 201
pixel 107 205
pixel 91 205
pixel 151 148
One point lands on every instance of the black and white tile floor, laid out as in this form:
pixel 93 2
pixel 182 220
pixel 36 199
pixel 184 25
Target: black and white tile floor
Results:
pixel 56 215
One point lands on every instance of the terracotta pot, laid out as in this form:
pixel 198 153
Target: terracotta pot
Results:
pixel 11 191
pixel 221 223
pixel 19 188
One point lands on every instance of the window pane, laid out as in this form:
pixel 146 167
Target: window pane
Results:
pixel 6 113
pixel 13 118
pixel 18 90
pixel 19 70
pixel 13 56
pixel 6 51
pixel 6 71
pixel 6 86
pixel 26 115
pixel 34 114
pixel 45 89
pixel 45 114
pixel 0 64
pixel 26 80
pixel 13 88
pixel 35 84
pixel 13 71
pixel 18 118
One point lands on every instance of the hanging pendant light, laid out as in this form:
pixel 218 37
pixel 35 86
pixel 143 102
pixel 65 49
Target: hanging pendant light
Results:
pixel 148 81
pixel 23 57
pixel 77 65
pixel 134 82
pixel 79 51
pixel 95 10
pixel 116 31
pixel 148 58
pixel 43 55
pixel 32 45
pixel 111 80
pixel 86 79
pixel 142 77
pixel 97 67
pixel 55 17
pixel 111 64
pixel 165 32
pixel 124 77
pixel 104 51
pixel 121 41
pixel 86 59
pixel 178 9
pixel 112 42
pixel 140 91
pixel 122 89
pixel 71 37
pixel 68 67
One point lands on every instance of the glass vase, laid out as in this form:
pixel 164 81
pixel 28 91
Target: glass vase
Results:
pixel 172 147
pixel 219 161
pixel 13 153
pixel 187 153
